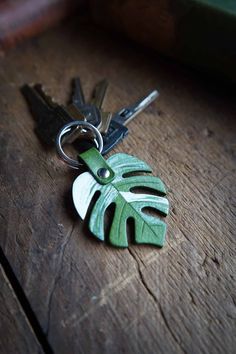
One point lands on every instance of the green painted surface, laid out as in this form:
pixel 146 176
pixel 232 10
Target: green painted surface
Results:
pixel 94 161
pixel 148 229
pixel 222 5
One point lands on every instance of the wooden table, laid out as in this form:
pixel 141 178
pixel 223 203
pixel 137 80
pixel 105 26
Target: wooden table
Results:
pixel 64 292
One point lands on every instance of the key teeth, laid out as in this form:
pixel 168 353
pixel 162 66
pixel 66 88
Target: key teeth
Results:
pixel 25 90
pixel 26 86
pixel 43 92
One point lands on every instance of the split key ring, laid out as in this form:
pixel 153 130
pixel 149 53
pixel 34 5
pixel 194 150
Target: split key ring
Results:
pixel 68 128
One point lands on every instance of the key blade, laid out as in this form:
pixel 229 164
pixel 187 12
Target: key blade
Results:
pixel 74 112
pixel 33 97
pixel 37 105
pixel 105 122
pixel 45 96
pixel 78 95
pixel 99 93
pixel 126 114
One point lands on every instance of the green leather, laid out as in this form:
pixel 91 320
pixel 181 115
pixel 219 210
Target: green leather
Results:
pixel 148 229
pixel 94 161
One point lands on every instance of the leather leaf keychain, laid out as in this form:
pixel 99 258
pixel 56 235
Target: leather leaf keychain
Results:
pixel 109 178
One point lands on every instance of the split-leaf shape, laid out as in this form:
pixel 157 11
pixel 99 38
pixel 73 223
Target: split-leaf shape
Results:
pixel 148 229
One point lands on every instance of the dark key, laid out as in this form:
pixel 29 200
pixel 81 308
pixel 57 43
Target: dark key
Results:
pixel 116 133
pixel 49 115
pixel 90 111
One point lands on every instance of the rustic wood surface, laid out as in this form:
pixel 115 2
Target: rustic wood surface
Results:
pixel 89 297
pixel 16 333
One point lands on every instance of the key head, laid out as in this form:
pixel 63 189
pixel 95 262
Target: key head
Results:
pixel 91 112
pixel 125 115
pixel 74 112
pixel 105 122
pixel 115 134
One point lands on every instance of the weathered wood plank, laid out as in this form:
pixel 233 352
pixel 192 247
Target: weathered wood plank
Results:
pixel 16 335
pixel 90 297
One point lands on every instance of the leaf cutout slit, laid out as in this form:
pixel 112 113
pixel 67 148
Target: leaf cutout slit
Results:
pixel 135 173
pixel 130 230
pixel 108 218
pixel 91 205
pixel 153 212
pixel 148 190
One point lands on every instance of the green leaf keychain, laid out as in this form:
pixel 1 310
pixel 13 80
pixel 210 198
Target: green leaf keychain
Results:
pixel 110 179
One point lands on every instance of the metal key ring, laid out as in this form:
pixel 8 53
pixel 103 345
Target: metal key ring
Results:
pixel 66 129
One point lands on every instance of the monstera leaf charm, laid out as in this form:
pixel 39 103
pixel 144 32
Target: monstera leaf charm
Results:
pixel 148 229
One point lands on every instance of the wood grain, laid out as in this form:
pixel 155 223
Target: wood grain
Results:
pixel 89 297
pixel 15 331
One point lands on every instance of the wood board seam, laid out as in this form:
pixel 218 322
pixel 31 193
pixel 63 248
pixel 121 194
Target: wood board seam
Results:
pixel 25 304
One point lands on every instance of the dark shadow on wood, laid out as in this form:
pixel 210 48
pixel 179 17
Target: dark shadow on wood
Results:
pixel 24 302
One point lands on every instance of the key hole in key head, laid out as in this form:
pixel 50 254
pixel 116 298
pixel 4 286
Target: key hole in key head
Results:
pixel 125 113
